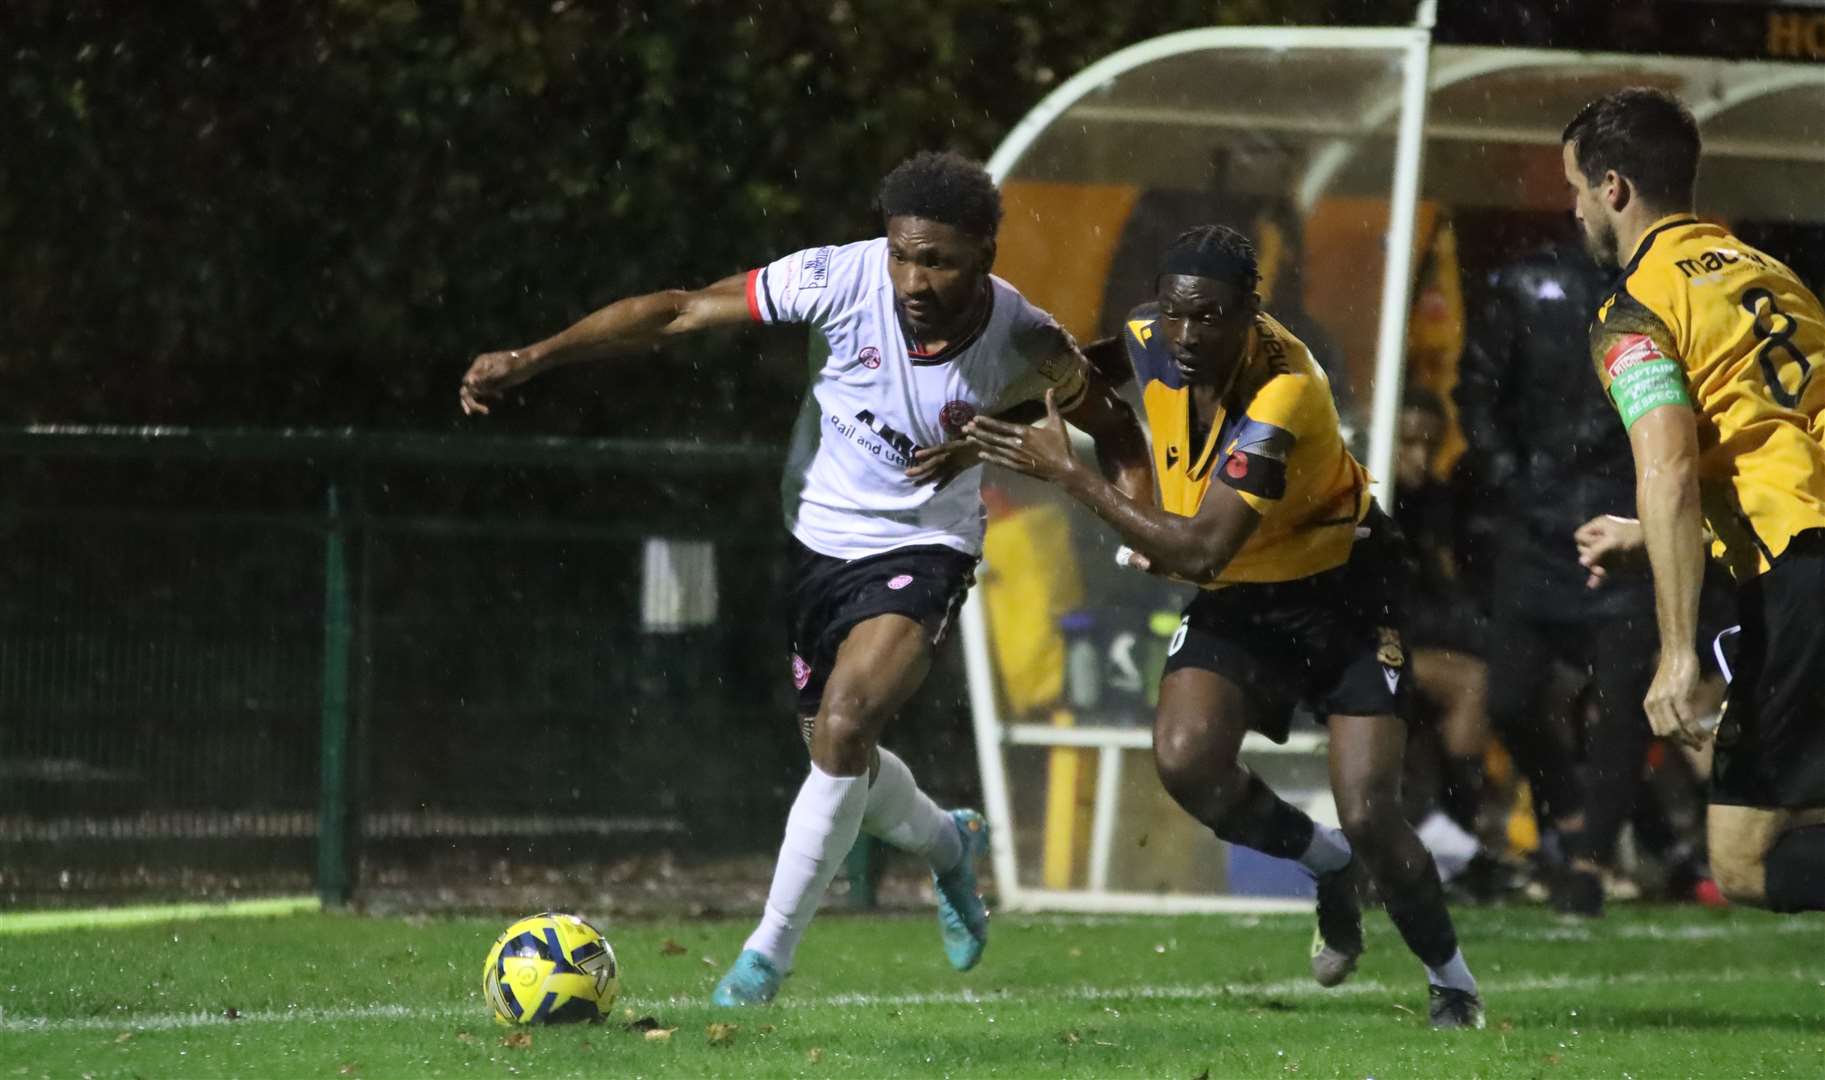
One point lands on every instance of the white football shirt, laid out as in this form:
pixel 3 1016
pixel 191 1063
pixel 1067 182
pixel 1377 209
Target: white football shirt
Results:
pixel 874 400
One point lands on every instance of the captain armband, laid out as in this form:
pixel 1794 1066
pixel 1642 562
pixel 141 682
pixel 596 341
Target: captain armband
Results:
pixel 1255 474
pixel 1642 378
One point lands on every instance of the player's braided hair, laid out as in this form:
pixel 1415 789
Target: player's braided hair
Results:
pixel 945 187
pixel 1213 251
pixel 1644 134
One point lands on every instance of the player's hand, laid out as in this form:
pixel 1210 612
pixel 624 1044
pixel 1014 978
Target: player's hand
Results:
pixel 1672 703
pixel 1605 543
pixel 944 462
pixel 1041 452
pixel 490 375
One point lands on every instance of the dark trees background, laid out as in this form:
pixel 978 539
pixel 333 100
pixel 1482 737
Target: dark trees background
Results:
pixel 257 212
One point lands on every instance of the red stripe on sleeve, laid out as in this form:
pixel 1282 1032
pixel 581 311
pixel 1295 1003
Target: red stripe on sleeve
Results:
pixel 754 296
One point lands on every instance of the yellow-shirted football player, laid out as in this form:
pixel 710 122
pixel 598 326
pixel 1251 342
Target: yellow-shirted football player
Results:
pixel 1709 350
pixel 1263 507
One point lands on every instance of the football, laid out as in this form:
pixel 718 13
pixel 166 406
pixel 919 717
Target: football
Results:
pixel 550 969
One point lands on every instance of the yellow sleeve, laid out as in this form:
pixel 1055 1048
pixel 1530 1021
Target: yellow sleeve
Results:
pixel 1256 455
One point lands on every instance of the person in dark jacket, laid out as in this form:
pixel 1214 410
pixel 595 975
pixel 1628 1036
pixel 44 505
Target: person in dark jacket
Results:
pixel 1551 457
pixel 1445 620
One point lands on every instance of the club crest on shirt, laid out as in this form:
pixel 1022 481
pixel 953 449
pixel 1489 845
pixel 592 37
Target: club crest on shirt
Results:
pixel 954 416
pixel 869 357
pixel 1389 653
pixel 801 672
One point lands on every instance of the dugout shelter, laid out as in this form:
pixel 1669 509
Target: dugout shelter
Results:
pixel 1376 170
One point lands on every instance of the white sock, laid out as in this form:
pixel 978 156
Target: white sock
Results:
pixel 902 815
pixel 1328 851
pixel 1453 973
pixel 1452 848
pixel 820 830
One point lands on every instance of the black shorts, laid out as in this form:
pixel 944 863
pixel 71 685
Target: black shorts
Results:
pixel 1330 641
pixel 826 596
pixel 1444 620
pixel 1771 745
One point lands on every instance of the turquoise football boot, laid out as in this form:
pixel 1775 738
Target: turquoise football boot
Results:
pixel 962 918
pixel 751 980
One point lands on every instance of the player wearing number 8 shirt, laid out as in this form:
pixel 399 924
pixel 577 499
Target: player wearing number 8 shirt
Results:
pixel 1264 508
pixel 1709 350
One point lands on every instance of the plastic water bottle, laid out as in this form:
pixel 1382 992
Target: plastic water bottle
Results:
pixel 1083 661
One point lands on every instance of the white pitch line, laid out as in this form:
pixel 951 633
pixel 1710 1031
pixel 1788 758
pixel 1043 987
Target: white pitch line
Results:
pixel 10 1023
pixel 1578 930
pixel 1300 988
pixel 1740 928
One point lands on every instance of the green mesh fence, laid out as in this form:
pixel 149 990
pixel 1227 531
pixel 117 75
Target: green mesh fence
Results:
pixel 241 662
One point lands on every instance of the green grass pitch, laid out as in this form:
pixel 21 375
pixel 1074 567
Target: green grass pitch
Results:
pixel 1643 993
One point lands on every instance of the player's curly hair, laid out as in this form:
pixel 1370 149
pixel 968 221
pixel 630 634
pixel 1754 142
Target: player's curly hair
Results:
pixel 1644 134
pixel 946 187
pixel 1213 251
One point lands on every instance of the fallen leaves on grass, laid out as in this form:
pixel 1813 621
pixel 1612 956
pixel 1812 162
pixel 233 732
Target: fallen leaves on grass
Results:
pixel 465 1038
pixel 518 1040
pixel 349 1068
pixel 721 1034
pixel 668 947
pixel 660 1034
pixel 1072 1038
pixel 123 1036
pixel 814 1055
pixel 645 1023
pixel 231 1013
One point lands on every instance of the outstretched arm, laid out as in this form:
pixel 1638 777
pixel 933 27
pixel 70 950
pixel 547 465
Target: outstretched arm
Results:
pixel 623 326
pixel 1195 548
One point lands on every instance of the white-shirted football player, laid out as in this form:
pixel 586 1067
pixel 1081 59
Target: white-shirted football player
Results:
pixel 914 338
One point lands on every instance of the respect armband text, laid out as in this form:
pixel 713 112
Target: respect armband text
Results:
pixel 1646 387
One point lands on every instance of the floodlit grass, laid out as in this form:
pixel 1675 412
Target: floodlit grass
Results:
pixel 1643 993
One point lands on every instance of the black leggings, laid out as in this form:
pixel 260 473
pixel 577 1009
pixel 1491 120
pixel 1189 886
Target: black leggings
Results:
pixel 1619 654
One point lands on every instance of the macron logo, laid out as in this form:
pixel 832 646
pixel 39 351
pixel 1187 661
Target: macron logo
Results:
pixel 1633 349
